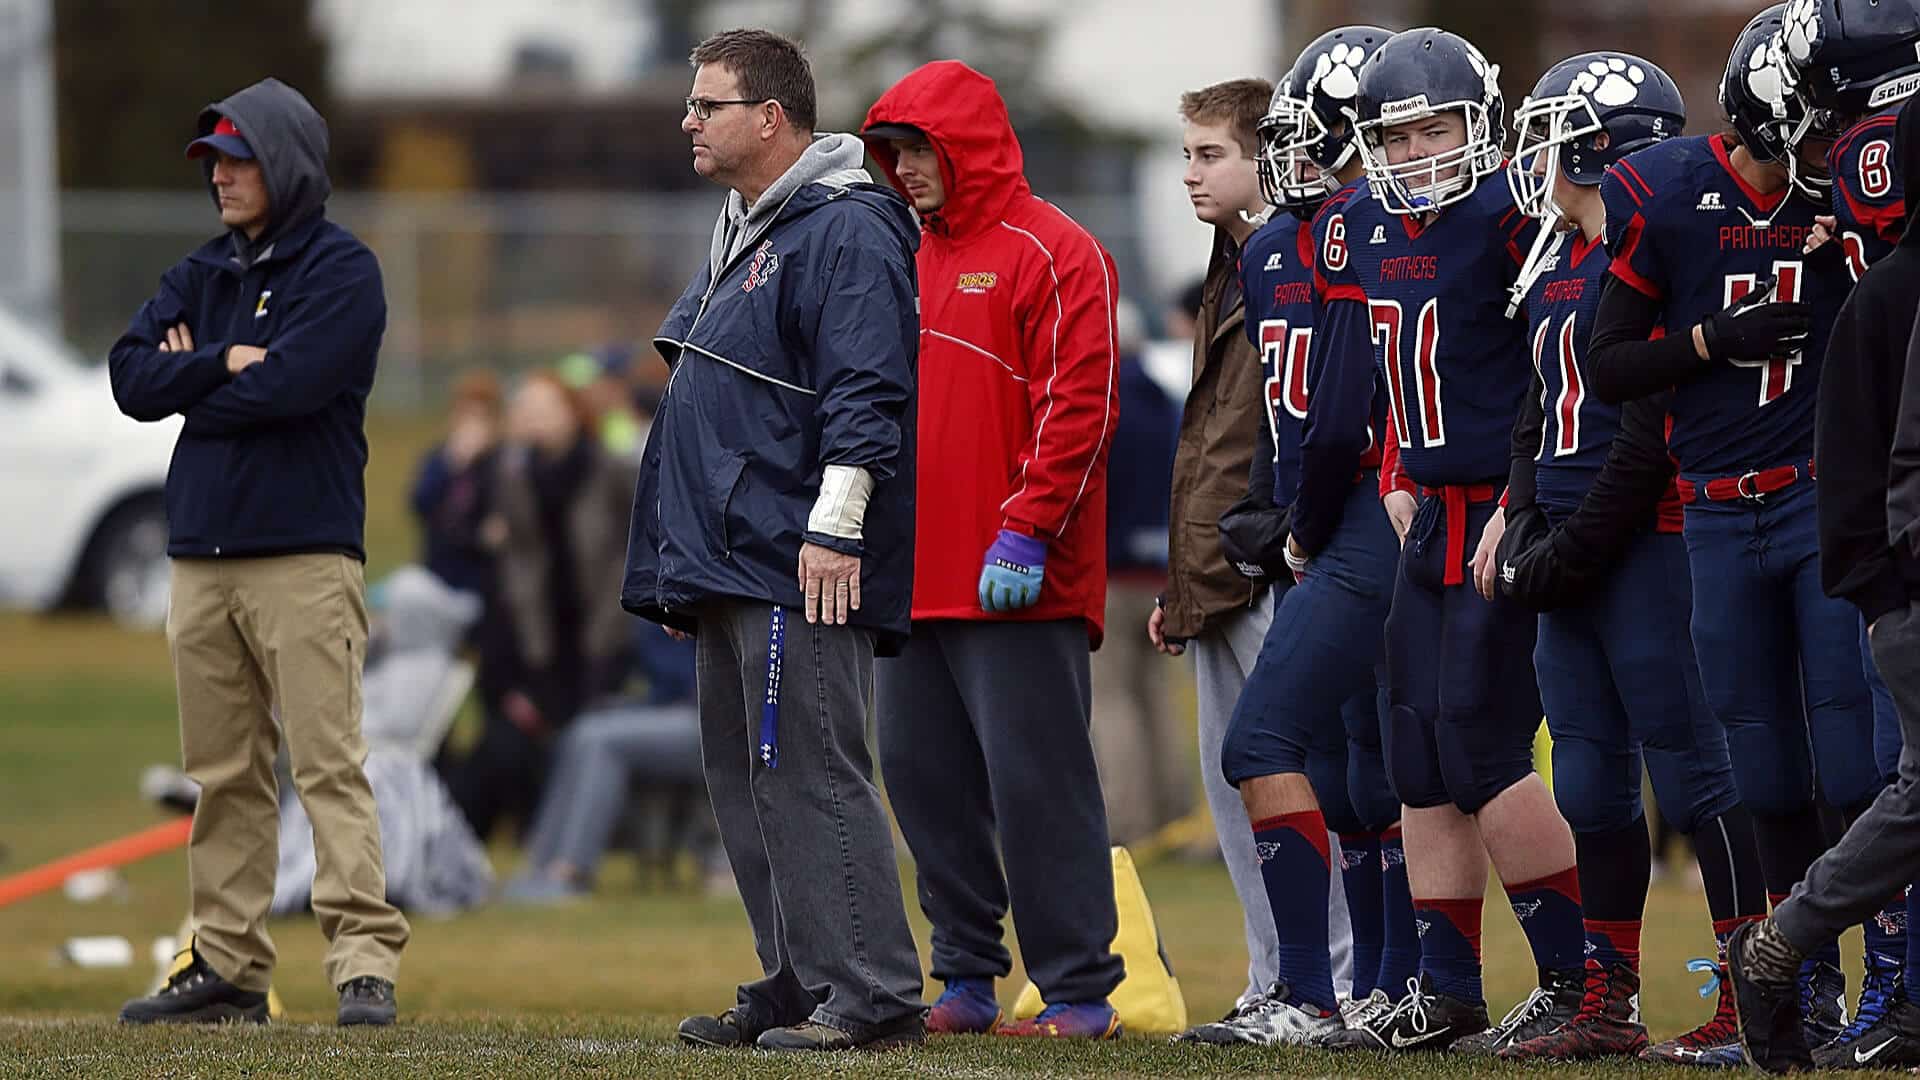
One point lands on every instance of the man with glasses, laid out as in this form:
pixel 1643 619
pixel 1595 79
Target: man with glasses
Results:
pixel 774 520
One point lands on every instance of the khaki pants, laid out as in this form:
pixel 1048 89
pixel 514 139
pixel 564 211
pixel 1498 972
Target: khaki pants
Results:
pixel 249 636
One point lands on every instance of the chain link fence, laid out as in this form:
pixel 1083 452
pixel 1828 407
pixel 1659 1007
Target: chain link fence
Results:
pixel 496 281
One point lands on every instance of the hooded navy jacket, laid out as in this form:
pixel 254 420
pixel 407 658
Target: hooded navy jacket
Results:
pixel 271 461
pixel 792 349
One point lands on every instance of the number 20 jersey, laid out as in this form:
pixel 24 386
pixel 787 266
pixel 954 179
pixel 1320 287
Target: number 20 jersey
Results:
pixel 1455 366
pixel 1686 230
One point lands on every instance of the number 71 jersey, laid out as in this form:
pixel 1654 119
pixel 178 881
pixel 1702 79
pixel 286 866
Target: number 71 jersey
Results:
pixel 1455 366
pixel 1685 229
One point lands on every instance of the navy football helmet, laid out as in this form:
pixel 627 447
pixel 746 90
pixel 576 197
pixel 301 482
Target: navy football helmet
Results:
pixel 1306 137
pixel 1558 127
pixel 1558 130
pixel 1415 75
pixel 1852 56
pixel 1770 119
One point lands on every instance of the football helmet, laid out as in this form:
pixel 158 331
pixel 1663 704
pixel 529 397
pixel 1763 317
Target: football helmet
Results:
pixel 1558 129
pixel 1851 56
pixel 1414 75
pixel 1306 137
pixel 1770 119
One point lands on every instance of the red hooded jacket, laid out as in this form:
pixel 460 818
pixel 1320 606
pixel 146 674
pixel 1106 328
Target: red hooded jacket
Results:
pixel 1019 380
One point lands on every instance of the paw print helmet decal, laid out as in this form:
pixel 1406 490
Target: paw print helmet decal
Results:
pixel 1770 119
pixel 1850 57
pixel 1587 112
pixel 1306 137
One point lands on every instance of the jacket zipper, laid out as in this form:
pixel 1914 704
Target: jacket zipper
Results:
pixel 713 286
pixel 234 324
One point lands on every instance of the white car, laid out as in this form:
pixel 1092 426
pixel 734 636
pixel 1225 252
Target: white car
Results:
pixel 82 517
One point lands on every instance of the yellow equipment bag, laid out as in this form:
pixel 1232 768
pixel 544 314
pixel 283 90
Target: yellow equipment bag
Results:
pixel 1148 998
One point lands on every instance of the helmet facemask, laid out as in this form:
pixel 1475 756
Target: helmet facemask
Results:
pixel 1542 128
pixel 1424 185
pixel 1298 164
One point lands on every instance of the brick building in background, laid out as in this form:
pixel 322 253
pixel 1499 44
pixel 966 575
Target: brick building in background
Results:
pixel 1689 38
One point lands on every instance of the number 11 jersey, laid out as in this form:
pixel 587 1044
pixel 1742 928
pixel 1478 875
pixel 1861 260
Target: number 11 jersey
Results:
pixel 1455 367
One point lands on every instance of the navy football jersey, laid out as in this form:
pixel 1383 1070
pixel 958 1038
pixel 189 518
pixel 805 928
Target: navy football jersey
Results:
pixel 1686 230
pixel 1276 279
pixel 1454 365
pixel 1578 428
pixel 1869 200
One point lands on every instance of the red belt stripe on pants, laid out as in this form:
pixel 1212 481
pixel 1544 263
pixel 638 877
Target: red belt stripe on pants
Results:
pixel 1455 499
pixel 1755 485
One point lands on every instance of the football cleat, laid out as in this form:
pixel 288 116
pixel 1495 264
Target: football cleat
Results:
pixel 1885 1032
pixel 1607 1025
pixel 1551 1004
pixel 1823 1002
pixel 1714 1044
pixel 1423 1020
pixel 1274 1019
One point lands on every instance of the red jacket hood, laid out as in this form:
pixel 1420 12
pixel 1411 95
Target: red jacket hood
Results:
pixel 966 121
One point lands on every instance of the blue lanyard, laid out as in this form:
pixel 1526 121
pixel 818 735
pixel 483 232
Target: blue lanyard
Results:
pixel 770 708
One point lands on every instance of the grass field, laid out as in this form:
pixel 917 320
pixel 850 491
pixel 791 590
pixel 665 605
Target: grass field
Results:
pixel 588 990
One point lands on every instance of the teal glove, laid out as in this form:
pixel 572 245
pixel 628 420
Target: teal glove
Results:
pixel 1016 565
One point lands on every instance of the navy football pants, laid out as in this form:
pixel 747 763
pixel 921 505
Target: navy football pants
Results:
pixel 1311 704
pixel 1618 678
pixel 1464 705
pixel 1779 659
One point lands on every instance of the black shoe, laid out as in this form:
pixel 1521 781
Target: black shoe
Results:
pixel 1769 1013
pixel 1891 1042
pixel 367 1000
pixel 1823 1003
pixel 735 1027
pixel 1551 1004
pixel 196 995
pixel 1423 1020
pixel 911 1030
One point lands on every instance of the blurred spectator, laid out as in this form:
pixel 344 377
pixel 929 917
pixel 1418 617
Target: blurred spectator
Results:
pixel 1183 317
pixel 601 381
pixel 559 636
pixel 452 493
pixel 610 753
pixel 1137 738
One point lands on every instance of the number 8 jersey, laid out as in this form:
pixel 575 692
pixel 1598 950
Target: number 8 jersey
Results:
pixel 1456 368
pixel 1687 231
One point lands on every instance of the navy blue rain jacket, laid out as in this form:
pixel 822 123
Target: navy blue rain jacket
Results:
pixel 798 354
pixel 272 461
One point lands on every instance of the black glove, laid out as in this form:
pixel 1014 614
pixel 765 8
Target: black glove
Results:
pixel 1253 533
pixel 1755 327
pixel 1534 570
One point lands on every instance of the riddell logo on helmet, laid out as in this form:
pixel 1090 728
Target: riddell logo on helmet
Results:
pixel 1394 112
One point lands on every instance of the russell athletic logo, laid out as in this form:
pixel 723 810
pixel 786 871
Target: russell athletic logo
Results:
pixel 1274 262
pixel 1711 201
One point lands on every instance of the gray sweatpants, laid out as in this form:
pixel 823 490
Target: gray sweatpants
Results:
pixel 1223 657
pixel 988 763
pixel 808 839
pixel 1880 854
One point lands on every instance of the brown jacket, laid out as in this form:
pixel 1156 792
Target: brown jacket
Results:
pixel 1217 432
